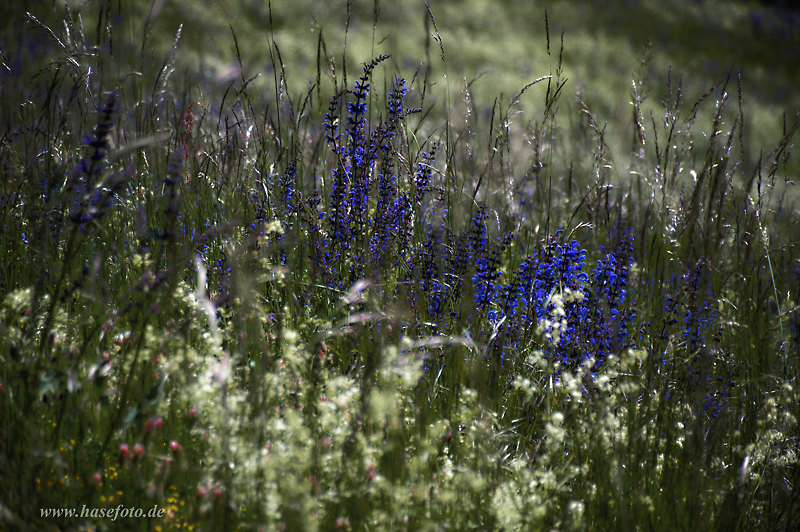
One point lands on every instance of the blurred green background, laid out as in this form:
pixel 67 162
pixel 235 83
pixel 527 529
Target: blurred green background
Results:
pixel 494 46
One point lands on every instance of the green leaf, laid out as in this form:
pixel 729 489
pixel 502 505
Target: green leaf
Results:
pixel 48 384
pixel 130 417
pixel 156 392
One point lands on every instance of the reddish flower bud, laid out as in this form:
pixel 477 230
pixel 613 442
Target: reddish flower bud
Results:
pixel 123 453
pixel 176 449
pixel 153 425
pixel 138 452
pixel 96 479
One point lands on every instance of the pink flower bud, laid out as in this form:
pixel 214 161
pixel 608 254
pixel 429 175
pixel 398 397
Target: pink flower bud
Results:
pixel 123 453
pixel 138 452
pixel 153 425
pixel 176 449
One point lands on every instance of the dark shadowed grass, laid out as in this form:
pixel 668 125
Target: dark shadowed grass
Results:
pixel 254 314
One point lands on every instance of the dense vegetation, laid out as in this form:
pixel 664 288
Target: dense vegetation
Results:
pixel 382 312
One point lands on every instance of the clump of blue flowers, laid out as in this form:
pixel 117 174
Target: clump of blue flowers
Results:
pixel 386 218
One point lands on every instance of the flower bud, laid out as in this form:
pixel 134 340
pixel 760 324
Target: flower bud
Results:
pixel 123 453
pixel 177 450
pixel 138 452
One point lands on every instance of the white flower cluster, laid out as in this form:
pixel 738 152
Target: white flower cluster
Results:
pixel 552 328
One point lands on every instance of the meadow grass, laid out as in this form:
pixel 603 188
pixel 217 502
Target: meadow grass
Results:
pixel 275 313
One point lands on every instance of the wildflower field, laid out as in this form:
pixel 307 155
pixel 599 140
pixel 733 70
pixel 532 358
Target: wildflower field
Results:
pixel 372 300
